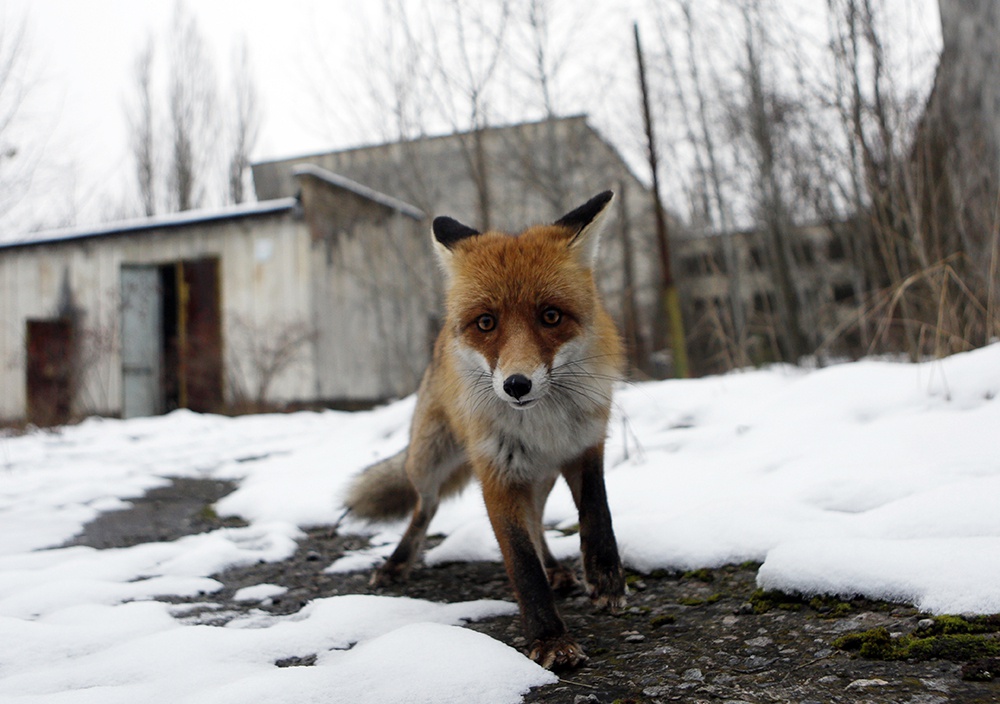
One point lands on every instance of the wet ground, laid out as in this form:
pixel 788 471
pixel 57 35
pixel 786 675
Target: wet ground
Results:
pixel 707 636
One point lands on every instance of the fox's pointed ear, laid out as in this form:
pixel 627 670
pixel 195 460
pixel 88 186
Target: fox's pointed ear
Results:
pixel 447 233
pixel 586 222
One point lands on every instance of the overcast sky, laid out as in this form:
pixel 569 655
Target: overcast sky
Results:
pixel 80 56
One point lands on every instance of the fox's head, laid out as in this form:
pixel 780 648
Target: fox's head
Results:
pixel 523 310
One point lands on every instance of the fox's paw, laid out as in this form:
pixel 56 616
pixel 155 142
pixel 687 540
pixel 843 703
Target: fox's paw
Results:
pixel 562 579
pixel 613 603
pixel 559 653
pixel 389 573
pixel 608 590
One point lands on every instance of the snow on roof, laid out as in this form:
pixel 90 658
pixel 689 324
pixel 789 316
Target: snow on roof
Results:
pixel 188 217
pixel 358 189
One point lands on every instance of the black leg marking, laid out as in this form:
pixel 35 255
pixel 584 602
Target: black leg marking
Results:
pixel 601 563
pixel 511 509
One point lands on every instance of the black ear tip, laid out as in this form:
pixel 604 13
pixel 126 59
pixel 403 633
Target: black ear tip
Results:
pixel 448 231
pixel 442 223
pixel 582 216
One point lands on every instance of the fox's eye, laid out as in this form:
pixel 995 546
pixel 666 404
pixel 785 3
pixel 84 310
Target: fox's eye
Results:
pixel 486 322
pixel 551 317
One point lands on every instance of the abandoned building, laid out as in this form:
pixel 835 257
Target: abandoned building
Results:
pixel 825 278
pixel 283 301
pixel 324 292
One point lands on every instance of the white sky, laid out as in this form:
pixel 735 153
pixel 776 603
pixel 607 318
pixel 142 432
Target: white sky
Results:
pixel 81 53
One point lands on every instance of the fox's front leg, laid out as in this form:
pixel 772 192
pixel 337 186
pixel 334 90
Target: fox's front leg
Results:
pixel 511 510
pixel 602 567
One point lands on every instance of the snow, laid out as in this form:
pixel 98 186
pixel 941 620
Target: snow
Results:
pixel 150 224
pixel 259 592
pixel 872 478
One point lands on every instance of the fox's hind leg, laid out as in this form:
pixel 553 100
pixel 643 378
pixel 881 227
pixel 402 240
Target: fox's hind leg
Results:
pixel 436 467
pixel 602 568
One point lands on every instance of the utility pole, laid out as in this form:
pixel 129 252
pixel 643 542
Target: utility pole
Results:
pixel 671 301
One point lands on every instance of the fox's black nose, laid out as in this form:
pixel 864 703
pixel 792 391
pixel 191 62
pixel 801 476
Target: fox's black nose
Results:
pixel 517 385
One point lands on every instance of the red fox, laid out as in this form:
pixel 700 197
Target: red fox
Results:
pixel 518 392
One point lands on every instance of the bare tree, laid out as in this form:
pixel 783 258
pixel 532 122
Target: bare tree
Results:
pixel 467 48
pixel 192 112
pixel 772 205
pixel 711 207
pixel 927 285
pixel 198 152
pixel 549 33
pixel 430 68
pixel 246 122
pixel 141 124
pixel 16 160
pixel 671 300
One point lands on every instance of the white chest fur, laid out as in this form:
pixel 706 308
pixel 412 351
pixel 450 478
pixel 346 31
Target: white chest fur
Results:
pixel 538 441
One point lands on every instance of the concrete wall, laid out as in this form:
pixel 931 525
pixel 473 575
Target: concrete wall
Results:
pixel 535 173
pixel 825 279
pixel 373 294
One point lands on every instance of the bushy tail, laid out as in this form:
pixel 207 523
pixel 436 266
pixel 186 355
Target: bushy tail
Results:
pixel 382 492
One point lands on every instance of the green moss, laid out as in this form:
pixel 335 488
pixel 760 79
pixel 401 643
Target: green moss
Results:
pixel 700 601
pixel 208 514
pixel 840 610
pixel 952 625
pixel 702 575
pixel 631 579
pixel 959 647
pixel 691 601
pixel 763 601
pixel 830 607
pixel 874 644
pixel 662 620
pixel 852 641
pixel 877 644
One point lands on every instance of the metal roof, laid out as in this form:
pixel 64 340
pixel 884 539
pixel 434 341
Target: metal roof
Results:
pixel 157 222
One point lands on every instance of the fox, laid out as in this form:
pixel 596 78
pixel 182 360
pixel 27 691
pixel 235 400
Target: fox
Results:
pixel 517 393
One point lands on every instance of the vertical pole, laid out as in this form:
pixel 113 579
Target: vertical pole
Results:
pixel 671 301
pixel 630 329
